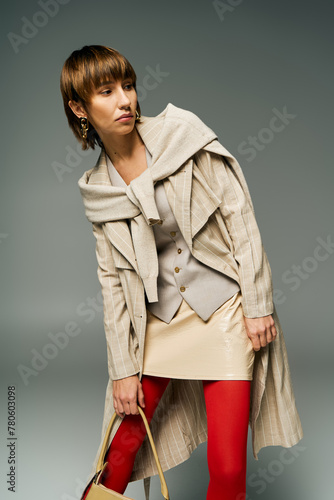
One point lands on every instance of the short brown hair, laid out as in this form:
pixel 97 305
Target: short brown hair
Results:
pixel 83 71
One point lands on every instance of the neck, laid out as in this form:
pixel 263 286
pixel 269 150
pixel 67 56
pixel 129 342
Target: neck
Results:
pixel 122 147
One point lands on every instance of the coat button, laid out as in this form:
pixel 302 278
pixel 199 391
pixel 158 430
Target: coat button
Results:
pixel 177 269
pixel 179 250
pixel 160 222
pixel 173 233
pixel 182 288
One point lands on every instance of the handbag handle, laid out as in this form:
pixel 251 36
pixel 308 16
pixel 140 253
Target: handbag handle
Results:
pixel 101 464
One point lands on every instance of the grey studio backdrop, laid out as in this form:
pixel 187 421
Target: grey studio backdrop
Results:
pixel 237 65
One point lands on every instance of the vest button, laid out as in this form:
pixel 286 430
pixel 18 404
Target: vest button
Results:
pixel 179 250
pixel 182 288
pixel 173 233
pixel 177 269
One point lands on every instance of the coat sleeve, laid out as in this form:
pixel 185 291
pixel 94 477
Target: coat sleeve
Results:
pixel 238 212
pixel 122 361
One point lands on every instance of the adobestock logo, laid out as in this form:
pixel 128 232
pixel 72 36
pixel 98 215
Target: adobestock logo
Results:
pixel 72 160
pixel 263 477
pixel 40 19
pixel 223 8
pixel 88 310
pixel 255 143
pixel 298 273
pixel 151 80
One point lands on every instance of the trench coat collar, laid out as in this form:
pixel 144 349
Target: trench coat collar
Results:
pixel 175 139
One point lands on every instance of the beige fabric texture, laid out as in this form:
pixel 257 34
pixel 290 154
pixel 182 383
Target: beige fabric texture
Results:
pixel 212 205
pixel 173 251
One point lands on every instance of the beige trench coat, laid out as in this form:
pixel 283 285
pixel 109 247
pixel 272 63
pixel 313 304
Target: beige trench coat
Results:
pixel 212 205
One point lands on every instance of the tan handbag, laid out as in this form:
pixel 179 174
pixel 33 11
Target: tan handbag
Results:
pixel 98 491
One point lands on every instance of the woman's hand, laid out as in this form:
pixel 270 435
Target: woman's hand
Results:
pixel 261 331
pixel 125 393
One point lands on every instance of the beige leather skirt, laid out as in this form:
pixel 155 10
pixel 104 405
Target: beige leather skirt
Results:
pixel 191 348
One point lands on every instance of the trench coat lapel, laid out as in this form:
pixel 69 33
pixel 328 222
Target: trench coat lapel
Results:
pixel 192 202
pixel 178 191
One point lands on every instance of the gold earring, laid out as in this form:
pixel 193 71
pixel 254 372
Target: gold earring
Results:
pixel 137 116
pixel 84 127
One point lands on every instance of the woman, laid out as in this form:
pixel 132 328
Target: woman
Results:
pixel 189 316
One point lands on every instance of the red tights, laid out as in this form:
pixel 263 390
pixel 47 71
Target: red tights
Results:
pixel 227 408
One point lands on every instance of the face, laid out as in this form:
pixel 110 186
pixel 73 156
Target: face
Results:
pixel 108 103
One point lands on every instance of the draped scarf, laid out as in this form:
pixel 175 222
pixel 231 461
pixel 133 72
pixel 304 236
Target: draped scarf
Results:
pixel 181 135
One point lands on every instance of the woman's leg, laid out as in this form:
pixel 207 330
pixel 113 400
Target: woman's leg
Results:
pixel 227 406
pixel 130 435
